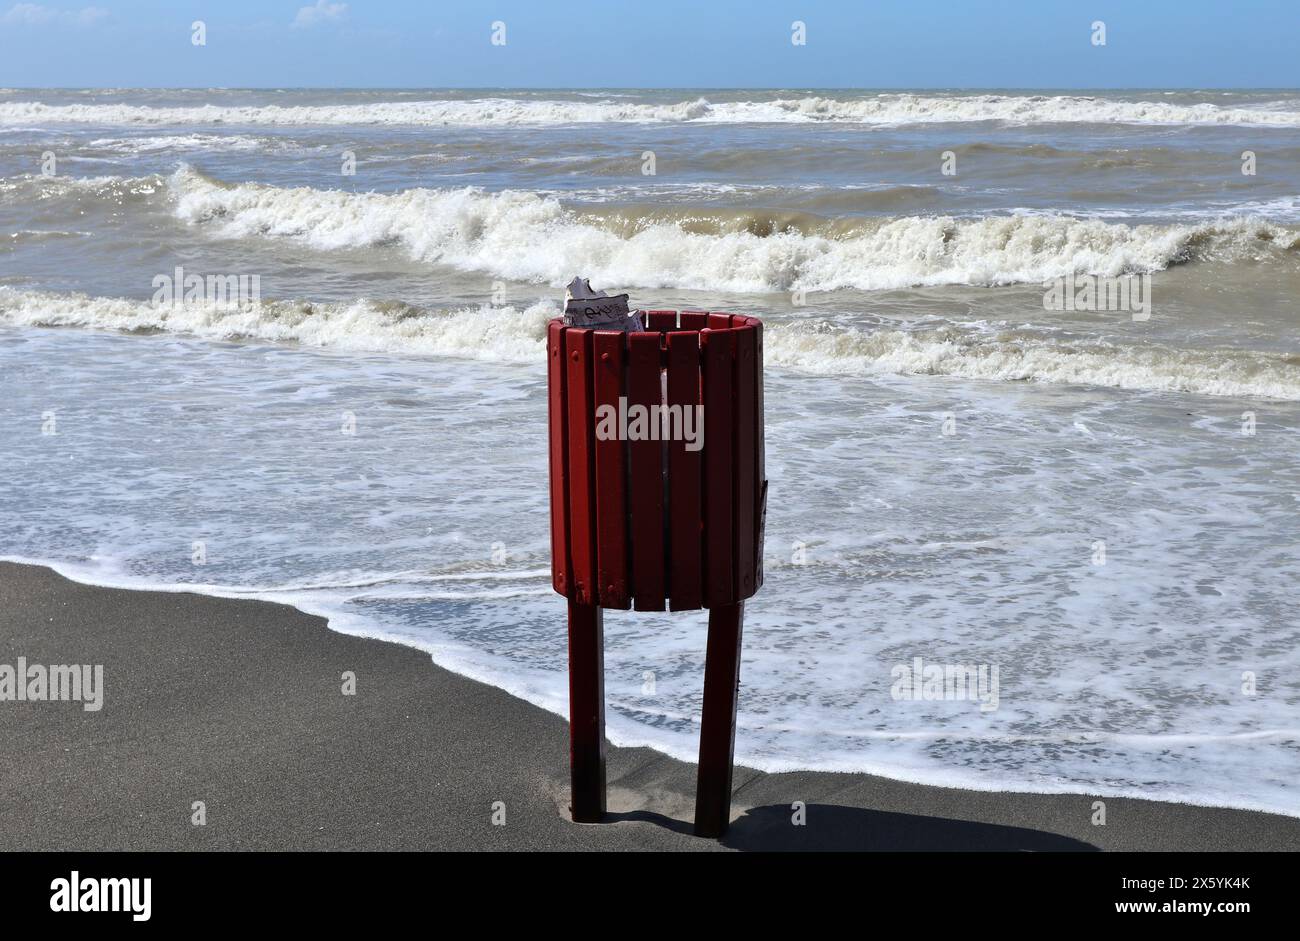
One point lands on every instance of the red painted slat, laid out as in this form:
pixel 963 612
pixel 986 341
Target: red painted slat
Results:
pixel 719 587
pixel 719 321
pixel 661 320
pixel 581 465
pixel 608 348
pixel 694 319
pixel 685 525
pixel 646 492
pixel 718 720
pixel 587 712
pixel 557 419
pixel 746 457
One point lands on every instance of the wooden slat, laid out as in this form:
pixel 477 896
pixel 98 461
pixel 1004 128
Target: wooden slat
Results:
pixel 719 321
pixel 719 587
pixel 746 458
pixel 694 319
pixel 587 712
pixel 557 419
pixel 661 320
pixel 581 466
pixel 646 490
pixel 718 720
pixel 685 525
pixel 608 349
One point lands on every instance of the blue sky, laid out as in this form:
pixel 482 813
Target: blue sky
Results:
pixel 652 43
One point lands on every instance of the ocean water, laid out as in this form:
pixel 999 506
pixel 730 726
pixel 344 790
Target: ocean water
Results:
pixel 1101 507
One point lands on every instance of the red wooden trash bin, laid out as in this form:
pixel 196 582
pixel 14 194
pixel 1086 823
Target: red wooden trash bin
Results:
pixel 647 517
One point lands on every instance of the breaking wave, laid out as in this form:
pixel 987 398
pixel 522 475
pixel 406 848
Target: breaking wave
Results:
pixel 517 335
pixel 820 347
pixel 504 334
pixel 884 109
pixel 526 236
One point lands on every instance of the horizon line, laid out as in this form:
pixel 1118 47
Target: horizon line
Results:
pixel 612 88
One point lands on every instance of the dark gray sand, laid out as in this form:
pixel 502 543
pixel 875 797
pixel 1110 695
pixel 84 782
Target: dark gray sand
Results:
pixel 238 704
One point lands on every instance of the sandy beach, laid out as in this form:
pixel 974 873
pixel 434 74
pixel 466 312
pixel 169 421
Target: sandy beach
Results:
pixel 238 704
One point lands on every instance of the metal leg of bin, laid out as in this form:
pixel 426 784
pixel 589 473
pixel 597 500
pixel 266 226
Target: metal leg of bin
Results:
pixel 587 711
pixel 718 725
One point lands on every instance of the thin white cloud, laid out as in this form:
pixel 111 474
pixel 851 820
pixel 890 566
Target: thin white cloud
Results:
pixel 33 14
pixel 322 12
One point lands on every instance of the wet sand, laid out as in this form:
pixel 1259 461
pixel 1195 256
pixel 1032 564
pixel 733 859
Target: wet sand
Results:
pixel 239 705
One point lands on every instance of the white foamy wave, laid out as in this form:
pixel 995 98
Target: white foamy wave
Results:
pixel 511 334
pixel 885 109
pixel 184 143
pixel 50 188
pixel 530 237
pixel 504 334
pixel 819 347
pixel 1025 109
pixel 473 113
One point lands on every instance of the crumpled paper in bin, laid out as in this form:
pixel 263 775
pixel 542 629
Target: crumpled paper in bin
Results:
pixel 586 307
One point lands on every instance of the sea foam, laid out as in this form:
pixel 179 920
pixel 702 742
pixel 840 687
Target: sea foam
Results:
pixel 527 236
pixel 503 334
pixel 517 335
pixel 884 109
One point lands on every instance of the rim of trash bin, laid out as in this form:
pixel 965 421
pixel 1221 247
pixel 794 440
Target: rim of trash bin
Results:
pixel 737 322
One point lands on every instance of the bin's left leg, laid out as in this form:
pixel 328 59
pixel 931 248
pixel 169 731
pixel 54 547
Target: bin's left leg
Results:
pixel 587 711
pixel 718 723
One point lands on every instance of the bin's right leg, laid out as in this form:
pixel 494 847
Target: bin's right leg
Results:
pixel 718 723
pixel 587 711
